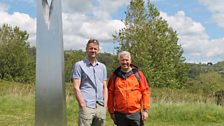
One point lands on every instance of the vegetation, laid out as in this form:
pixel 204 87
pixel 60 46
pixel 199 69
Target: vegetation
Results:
pixel 205 78
pixel 160 57
pixel 153 45
pixel 182 93
pixel 16 63
pixel 17 107
pixel 70 58
pixel 16 104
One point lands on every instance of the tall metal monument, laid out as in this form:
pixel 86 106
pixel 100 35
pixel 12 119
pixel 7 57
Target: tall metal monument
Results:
pixel 50 109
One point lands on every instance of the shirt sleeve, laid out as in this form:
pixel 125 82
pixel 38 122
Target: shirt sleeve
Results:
pixel 76 71
pixel 105 73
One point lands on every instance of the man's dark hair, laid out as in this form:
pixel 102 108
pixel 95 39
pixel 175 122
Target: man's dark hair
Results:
pixel 95 41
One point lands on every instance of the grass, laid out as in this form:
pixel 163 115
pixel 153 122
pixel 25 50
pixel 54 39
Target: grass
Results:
pixel 16 111
pixel 16 104
pixel 192 112
pixel 169 107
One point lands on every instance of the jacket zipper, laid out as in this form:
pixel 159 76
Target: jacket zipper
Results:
pixel 126 95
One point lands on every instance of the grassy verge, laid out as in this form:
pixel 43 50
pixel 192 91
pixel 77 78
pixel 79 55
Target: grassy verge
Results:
pixel 17 108
pixel 194 114
pixel 16 104
pixel 16 111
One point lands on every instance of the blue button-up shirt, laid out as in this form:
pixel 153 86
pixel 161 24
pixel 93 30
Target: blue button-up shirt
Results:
pixel 92 78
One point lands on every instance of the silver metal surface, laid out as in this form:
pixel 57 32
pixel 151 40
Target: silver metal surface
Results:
pixel 50 109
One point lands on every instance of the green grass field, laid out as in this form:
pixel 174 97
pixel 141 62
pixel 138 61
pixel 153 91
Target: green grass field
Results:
pixel 17 108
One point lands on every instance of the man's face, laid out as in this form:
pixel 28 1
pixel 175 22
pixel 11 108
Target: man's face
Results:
pixel 125 62
pixel 92 50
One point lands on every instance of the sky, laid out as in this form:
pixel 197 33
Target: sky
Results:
pixel 199 23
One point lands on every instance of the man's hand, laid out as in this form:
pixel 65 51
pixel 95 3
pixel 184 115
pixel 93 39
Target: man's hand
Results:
pixel 144 115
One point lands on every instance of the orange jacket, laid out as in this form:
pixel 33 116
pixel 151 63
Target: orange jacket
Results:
pixel 127 95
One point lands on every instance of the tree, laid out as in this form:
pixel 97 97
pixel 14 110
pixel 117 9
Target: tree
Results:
pixel 15 61
pixel 153 45
pixel 107 59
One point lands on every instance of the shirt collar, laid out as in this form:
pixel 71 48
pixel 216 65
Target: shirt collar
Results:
pixel 90 64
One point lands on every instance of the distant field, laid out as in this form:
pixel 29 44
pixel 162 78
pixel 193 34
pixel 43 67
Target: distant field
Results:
pixel 17 108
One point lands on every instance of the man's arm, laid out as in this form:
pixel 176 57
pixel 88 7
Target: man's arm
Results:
pixel 105 93
pixel 110 103
pixel 145 96
pixel 77 92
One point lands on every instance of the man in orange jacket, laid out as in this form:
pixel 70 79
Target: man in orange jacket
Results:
pixel 128 93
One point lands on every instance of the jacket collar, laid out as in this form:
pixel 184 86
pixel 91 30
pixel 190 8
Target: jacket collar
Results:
pixel 123 75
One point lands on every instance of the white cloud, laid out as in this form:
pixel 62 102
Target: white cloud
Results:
pixel 79 28
pixel 215 48
pixel 80 21
pixel 192 34
pixel 217 9
pixel 193 37
pixel 90 20
pixel 100 29
pixel 99 9
pixel 77 6
pixel 108 7
pixel 84 19
pixel 23 21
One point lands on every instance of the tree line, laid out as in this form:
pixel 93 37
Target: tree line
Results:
pixel 15 59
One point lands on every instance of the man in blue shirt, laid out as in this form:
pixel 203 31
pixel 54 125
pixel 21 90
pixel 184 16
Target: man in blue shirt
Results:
pixel 90 87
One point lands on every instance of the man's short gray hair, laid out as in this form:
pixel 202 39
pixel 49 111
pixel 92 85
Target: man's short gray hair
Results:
pixel 124 53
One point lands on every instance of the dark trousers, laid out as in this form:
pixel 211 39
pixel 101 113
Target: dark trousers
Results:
pixel 132 119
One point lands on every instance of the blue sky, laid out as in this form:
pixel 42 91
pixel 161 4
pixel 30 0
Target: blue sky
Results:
pixel 199 23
